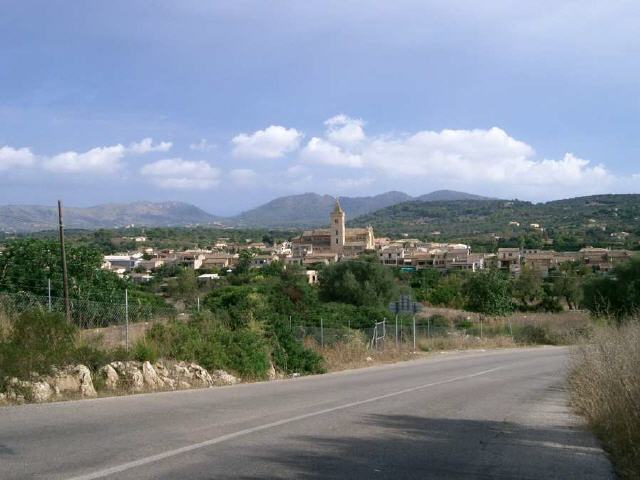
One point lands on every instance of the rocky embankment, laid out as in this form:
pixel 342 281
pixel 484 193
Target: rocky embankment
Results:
pixel 76 381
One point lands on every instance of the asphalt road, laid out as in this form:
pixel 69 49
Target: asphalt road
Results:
pixel 499 414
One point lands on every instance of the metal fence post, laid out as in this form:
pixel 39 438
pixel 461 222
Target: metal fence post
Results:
pixel 510 328
pixel 49 294
pixel 414 333
pixel 321 333
pixel 396 330
pixel 198 304
pixel 126 319
pixel 480 327
pixel 290 326
pixel 428 327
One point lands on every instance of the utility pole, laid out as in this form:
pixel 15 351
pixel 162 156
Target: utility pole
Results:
pixel 65 280
pixel 126 319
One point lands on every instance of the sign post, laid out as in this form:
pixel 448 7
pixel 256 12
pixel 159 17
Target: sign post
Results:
pixel 406 305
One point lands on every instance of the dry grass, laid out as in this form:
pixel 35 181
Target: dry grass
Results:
pixel 463 342
pixel 354 353
pixel 5 326
pixel 605 388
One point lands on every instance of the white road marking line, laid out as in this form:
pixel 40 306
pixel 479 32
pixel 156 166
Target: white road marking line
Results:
pixel 195 446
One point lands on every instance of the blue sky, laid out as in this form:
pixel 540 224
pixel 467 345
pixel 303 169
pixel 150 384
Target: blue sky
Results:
pixel 229 104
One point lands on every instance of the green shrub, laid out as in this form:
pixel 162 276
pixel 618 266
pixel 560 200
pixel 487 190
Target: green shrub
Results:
pixel 37 341
pixel 211 344
pixel 532 334
pixel 290 355
pixel 144 351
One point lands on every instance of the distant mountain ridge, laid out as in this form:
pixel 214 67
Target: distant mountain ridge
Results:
pixel 29 218
pixel 293 211
pixel 311 209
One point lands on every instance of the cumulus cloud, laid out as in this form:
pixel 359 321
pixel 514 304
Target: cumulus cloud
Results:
pixel 243 176
pixel 326 153
pixel 101 160
pixel 479 157
pixel 344 130
pixel 15 157
pixel 96 160
pixel 475 159
pixel 176 173
pixel 272 142
pixel 146 145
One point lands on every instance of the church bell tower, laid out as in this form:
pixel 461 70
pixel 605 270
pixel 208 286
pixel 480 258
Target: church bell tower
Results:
pixel 337 226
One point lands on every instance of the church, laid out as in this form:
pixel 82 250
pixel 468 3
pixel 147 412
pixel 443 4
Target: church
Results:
pixel 337 240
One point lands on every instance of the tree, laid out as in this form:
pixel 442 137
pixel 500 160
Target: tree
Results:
pixel 244 262
pixel 489 292
pixel 568 283
pixel 617 295
pixel 527 287
pixel 184 286
pixel 359 282
pixel 448 292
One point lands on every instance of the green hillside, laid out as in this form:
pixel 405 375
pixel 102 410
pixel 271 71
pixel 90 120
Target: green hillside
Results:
pixel 596 220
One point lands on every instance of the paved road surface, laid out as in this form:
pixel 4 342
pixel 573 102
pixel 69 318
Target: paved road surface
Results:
pixel 499 414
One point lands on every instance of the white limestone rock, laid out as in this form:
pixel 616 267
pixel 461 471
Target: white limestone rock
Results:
pixel 110 376
pixel 271 373
pixel 20 391
pixel 200 375
pixel 220 378
pixel 72 379
pixel 150 376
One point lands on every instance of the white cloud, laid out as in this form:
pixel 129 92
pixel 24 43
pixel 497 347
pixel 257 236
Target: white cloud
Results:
pixel 101 160
pixel 344 130
pixel 202 146
pixel 96 160
pixel 146 145
pixel 477 159
pixel 480 157
pixel 273 142
pixel 325 153
pixel 243 176
pixel 176 173
pixel 15 157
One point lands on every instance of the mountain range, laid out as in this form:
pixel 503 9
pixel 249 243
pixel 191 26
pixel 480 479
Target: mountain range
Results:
pixel 293 211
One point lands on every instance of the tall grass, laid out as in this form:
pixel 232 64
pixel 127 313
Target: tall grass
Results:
pixel 353 352
pixel 605 388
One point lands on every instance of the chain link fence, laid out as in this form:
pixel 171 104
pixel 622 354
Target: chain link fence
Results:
pixel 116 323
pixel 121 323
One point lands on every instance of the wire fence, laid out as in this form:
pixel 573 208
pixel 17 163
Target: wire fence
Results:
pixel 121 323
pixel 84 313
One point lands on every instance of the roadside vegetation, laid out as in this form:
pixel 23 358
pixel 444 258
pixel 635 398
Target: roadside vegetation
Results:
pixel 605 373
pixel 605 389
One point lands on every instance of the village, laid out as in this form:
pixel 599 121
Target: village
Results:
pixel 315 248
